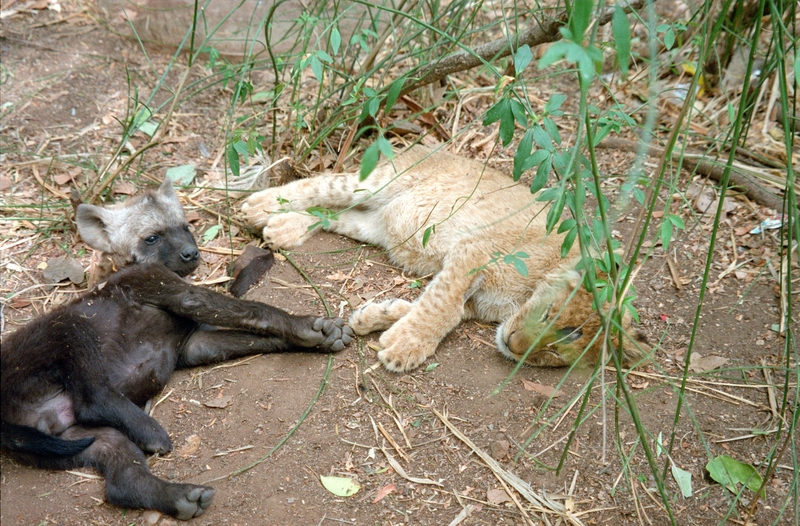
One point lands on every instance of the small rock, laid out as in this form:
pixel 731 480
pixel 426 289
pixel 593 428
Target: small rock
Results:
pixel 500 449
pixel 151 517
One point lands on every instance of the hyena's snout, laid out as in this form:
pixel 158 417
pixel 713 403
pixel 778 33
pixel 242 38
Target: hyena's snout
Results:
pixel 189 253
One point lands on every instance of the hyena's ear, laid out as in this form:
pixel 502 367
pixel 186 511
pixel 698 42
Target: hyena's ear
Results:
pixel 92 222
pixel 167 191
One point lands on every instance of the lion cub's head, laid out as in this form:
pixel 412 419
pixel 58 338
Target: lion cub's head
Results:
pixel 575 327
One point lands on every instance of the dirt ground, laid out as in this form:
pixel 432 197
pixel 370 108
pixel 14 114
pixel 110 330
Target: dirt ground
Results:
pixel 64 82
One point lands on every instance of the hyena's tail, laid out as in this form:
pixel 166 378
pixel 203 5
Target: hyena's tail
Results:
pixel 24 439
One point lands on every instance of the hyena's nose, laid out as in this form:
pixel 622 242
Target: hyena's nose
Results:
pixel 189 254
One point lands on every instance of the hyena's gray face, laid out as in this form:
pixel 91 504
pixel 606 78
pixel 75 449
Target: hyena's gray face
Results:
pixel 144 229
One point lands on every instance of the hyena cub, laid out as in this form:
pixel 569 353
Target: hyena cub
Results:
pixel 74 380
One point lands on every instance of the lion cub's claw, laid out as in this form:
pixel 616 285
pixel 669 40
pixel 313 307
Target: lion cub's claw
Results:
pixel 378 316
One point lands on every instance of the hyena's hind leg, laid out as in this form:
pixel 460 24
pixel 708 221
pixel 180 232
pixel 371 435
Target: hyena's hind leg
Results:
pixel 378 316
pixel 129 482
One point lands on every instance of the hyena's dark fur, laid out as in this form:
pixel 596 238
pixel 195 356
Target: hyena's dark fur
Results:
pixel 73 381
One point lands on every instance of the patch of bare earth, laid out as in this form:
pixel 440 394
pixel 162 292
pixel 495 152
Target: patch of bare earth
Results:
pixel 65 80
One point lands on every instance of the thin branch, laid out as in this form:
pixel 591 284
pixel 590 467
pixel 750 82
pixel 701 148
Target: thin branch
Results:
pixel 533 36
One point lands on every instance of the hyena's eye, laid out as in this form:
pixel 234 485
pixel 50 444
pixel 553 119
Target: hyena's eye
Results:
pixel 151 240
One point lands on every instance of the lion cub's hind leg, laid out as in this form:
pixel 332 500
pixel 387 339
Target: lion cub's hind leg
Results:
pixel 378 316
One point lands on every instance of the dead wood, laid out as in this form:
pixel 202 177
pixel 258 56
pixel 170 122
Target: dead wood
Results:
pixel 539 33
pixel 697 162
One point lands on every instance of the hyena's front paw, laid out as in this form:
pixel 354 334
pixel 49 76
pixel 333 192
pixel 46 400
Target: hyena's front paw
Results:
pixel 404 352
pixel 378 316
pixel 150 437
pixel 330 334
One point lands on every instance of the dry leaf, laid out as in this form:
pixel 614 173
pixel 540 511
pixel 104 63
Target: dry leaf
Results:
pixel 700 364
pixel 62 179
pixel 59 269
pixel 545 390
pixel 497 496
pixel 190 448
pixel 220 402
pixel 124 188
pixel 381 494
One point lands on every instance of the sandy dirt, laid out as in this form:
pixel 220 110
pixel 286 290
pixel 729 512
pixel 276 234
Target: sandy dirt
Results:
pixel 64 81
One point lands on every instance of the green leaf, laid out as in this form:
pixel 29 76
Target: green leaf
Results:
pixel 426 236
pixel 516 260
pixel 432 366
pixel 552 129
pixel 241 147
pixel 542 138
pixel 233 160
pixel 507 127
pixel 730 473
pixel 553 54
pixel 676 220
pixel 335 40
pixel 569 240
pixel 323 56
pixel 551 194
pixel 666 234
pixel 373 105
pixel 537 158
pixel 522 58
pixel 796 67
pixel 385 147
pixel 316 67
pixel 684 480
pixel 370 160
pixel 518 110
pixel 522 154
pixel 622 38
pixel 142 116
pixel 149 127
pixel 579 18
pixel 669 38
pixel 211 233
pixel 567 224
pixel 496 112
pixel 542 174
pixel 553 105
pixel 182 175
pixel 394 93
pixel 340 486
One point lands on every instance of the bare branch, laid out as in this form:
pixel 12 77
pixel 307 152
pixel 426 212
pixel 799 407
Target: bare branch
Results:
pixel 533 36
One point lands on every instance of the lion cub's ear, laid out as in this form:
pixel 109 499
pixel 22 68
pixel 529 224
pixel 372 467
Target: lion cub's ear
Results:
pixel 635 350
pixel 93 222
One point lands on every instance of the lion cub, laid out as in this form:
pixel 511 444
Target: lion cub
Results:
pixel 476 212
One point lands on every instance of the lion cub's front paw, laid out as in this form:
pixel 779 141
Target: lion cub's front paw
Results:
pixel 261 206
pixel 287 230
pixel 404 352
pixel 378 316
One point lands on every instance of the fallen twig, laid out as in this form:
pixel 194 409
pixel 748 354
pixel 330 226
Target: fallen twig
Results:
pixel 540 503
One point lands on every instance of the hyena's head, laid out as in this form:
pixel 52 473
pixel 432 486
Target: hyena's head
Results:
pixel 559 325
pixel 147 228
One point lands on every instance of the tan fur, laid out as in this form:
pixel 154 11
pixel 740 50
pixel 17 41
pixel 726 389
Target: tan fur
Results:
pixel 477 211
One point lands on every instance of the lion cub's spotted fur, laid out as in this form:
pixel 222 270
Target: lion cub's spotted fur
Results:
pixel 477 211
